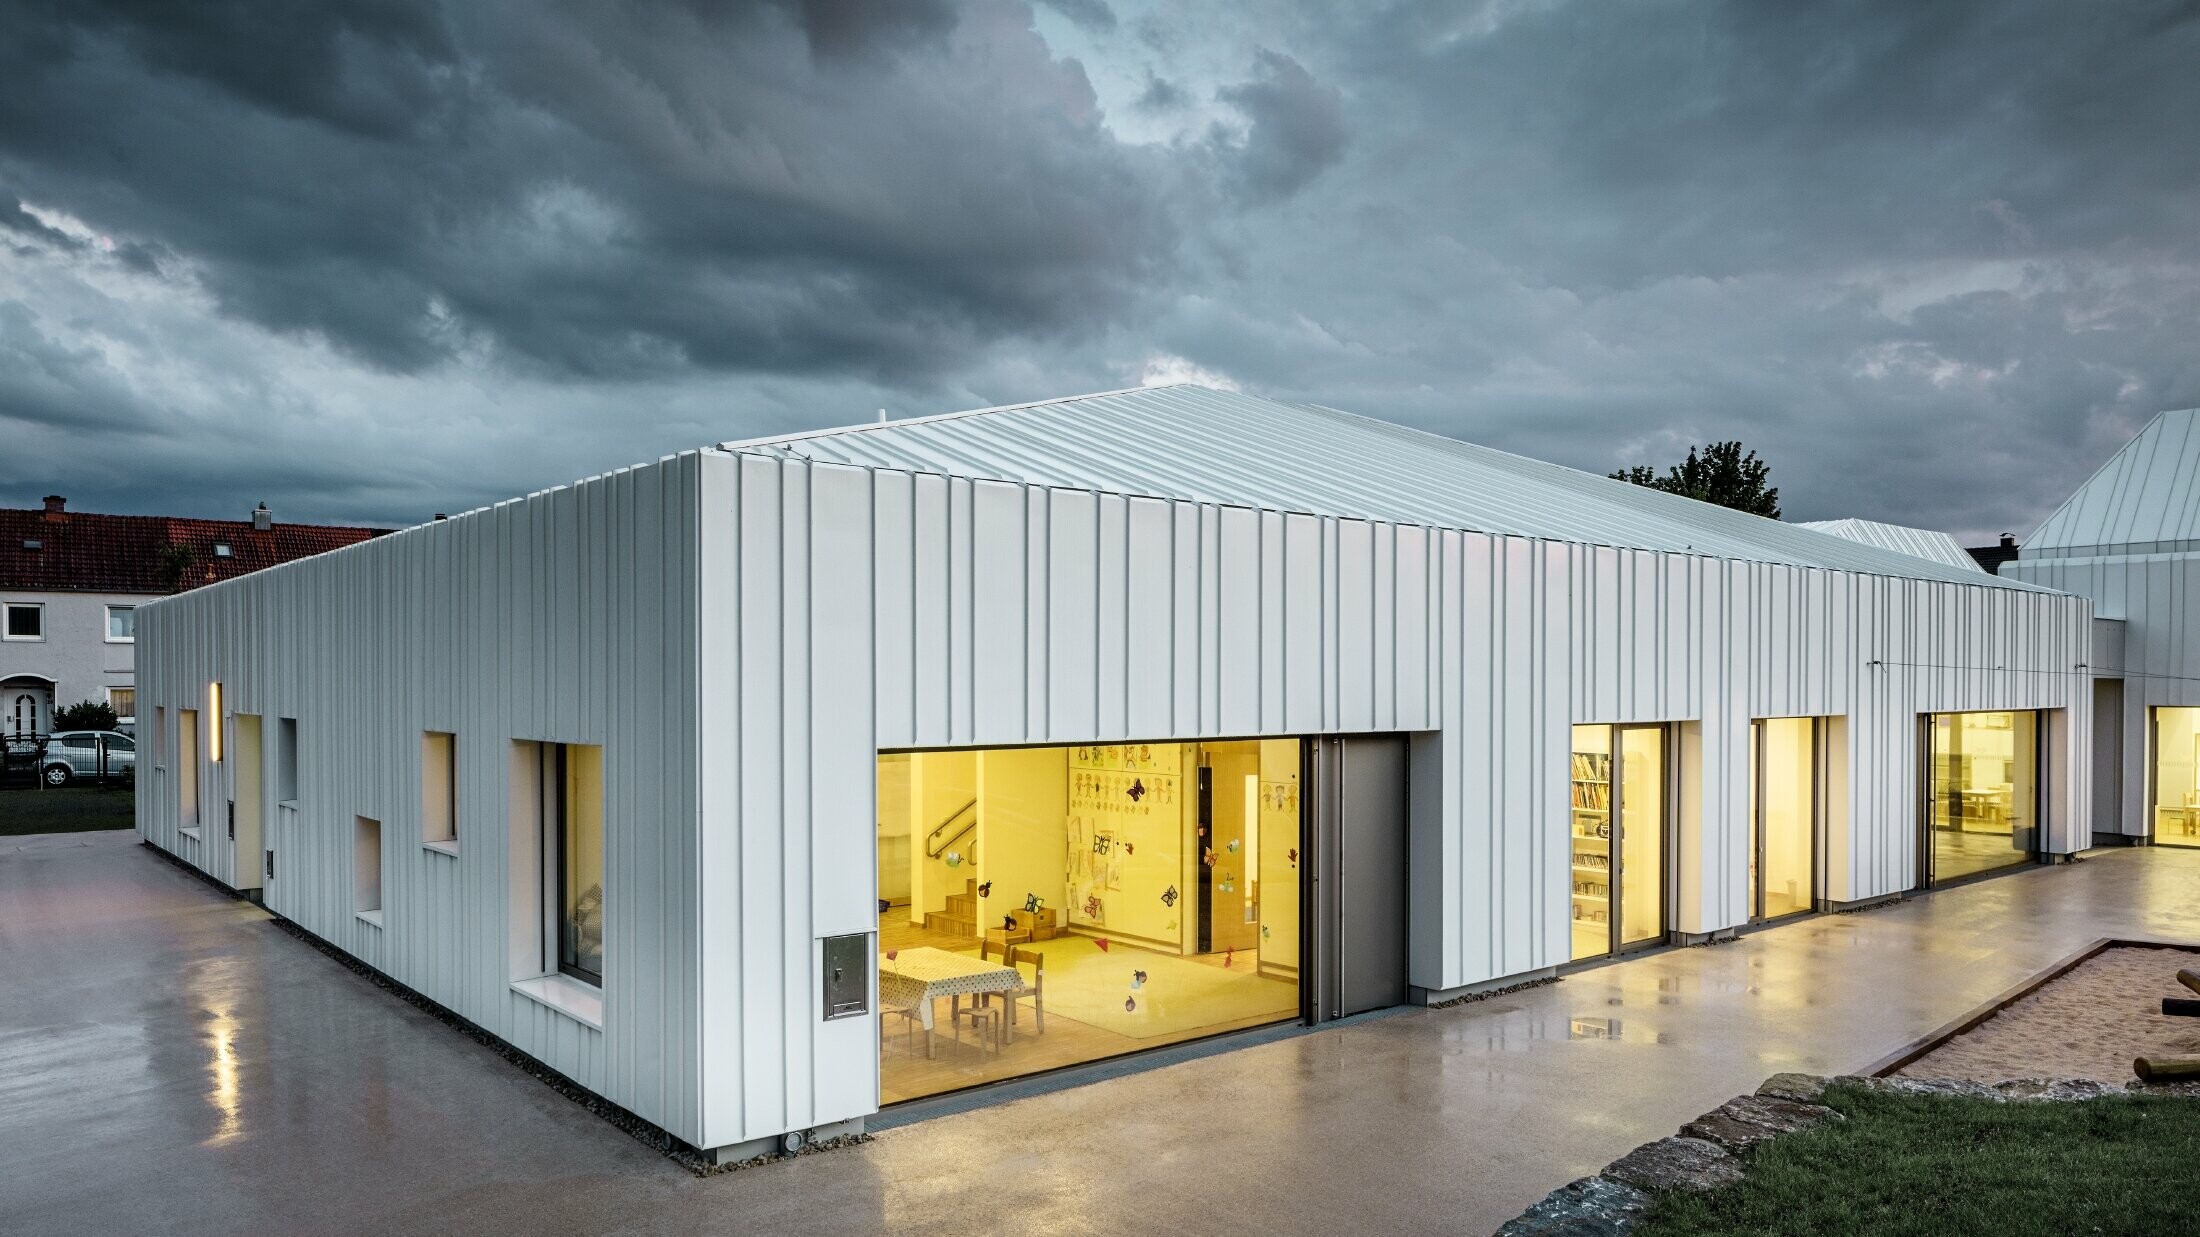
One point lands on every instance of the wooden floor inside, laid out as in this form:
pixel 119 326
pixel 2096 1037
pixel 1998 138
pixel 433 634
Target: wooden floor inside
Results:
pixel 905 1073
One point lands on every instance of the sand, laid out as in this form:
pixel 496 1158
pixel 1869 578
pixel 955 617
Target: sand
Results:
pixel 2088 1023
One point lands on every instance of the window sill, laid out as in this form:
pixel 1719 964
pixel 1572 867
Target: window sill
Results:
pixel 374 917
pixel 581 1002
pixel 449 847
pixel 189 832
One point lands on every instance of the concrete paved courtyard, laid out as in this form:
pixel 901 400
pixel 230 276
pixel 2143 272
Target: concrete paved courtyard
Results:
pixel 170 1061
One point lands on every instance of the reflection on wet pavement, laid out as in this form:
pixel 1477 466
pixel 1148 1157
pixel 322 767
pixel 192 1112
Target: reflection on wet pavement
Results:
pixel 171 1061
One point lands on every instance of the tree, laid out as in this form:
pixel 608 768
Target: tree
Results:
pixel 85 715
pixel 1720 473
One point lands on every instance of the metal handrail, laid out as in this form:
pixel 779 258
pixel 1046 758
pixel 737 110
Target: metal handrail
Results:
pixel 934 847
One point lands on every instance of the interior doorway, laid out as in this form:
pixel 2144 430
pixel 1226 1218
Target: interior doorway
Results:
pixel 1784 816
pixel 1618 835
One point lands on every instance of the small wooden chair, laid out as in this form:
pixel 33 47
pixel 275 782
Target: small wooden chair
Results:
pixel 1034 991
pixel 985 1021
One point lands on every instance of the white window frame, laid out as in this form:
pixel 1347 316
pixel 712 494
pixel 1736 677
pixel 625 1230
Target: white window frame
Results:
pixel 112 638
pixel 7 620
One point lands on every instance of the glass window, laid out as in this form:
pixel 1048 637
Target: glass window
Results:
pixel 24 621
pixel 1982 792
pixel 366 869
pixel 439 787
pixel 123 700
pixel 2177 777
pixel 122 624
pixel 1783 809
pixel 121 743
pixel 286 760
pixel 1042 907
pixel 577 838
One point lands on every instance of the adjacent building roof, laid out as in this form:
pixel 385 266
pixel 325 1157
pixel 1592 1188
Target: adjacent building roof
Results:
pixel 2144 500
pixel 56 550
pixel 1193 443
pixel 1901 538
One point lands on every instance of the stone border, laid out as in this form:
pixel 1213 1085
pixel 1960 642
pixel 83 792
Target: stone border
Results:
pixel 1709 1152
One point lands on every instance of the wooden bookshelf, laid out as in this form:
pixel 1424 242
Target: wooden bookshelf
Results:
pixel 1590 837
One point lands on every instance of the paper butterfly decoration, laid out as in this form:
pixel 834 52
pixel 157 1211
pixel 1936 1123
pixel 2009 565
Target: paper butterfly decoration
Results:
pixel 1031 903
pixel 1138 979
pixel 1168 896
pixel 1207 855
pixel 1127 849
pixel 1231 846
pixel 1294 856
pixel 1008 923
pixel 1092 907
pixel 1129 1005
pixel 1264 932
pixel 1100 943
pixel 986 890
pixel 954 858
pixel 1137 790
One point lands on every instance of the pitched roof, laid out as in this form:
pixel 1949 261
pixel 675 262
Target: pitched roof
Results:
pixel 1192 443
pixel 88 552
pixel 1901 538
pixel 2144 500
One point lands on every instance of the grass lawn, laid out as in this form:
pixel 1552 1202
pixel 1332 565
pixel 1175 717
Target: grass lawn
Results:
pixel 69 809
pixel 1952 1166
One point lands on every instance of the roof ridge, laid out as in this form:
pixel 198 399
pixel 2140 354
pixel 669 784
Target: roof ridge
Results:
pixel 744 444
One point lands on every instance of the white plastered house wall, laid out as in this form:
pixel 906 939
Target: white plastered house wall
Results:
pixel 2129 540
pixel 744 629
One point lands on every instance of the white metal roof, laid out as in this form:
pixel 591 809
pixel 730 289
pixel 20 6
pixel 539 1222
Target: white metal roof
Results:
pixel 2144 500
pixel 1922 543
pixel 1194 443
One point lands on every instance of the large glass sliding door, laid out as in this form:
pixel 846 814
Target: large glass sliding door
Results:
pixel 1982 793
pixel 1783 849
pixel 2177 777
pixel 1617 831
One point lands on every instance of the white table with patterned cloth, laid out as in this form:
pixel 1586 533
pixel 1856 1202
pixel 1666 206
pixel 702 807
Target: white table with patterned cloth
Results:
pixel 914 978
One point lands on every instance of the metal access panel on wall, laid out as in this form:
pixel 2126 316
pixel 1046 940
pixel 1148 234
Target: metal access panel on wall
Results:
pixel 1358 919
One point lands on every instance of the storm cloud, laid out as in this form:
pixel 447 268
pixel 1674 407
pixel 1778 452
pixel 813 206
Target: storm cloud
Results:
pixel 375 259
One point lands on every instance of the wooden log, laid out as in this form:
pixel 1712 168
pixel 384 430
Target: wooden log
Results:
pixel 2190 978
pixel 2180 1007
pixel 2161 1069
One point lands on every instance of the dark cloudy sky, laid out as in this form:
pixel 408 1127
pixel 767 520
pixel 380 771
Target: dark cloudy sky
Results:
pixel 372 259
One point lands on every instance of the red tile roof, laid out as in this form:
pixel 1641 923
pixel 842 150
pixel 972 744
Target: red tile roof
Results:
pixel 86 552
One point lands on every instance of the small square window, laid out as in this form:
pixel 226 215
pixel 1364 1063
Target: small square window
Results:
pixel 123 700
pixel 122 624
pixel 24 621
pixel 221 549
pixel 33 543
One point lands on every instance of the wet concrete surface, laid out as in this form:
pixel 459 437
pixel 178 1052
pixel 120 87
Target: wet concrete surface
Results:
pixel 170 1061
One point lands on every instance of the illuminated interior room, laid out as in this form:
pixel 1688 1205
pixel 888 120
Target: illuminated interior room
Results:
pixel 1048 906
pixel 1618 839
pixel 1982 793
pixel 1783 801
pixel 2177 777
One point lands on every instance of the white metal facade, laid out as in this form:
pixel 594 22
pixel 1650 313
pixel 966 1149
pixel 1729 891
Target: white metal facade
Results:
pixel 745 629
pixel 2129 539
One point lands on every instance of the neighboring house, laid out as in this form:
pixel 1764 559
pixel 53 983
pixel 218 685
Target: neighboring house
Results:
pixel 2130 540
pixel 71 582
pixel 1933 547
pixel 1991 557
pixel 723 784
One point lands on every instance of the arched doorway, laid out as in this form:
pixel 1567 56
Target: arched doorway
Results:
pixel 26 708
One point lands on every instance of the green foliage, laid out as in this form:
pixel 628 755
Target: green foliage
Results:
pixel 1941 1166
pixel 85 715
pixel 1720 473
pixel 175 564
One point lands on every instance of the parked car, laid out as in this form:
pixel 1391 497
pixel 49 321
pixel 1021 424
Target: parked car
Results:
pixel 72 754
